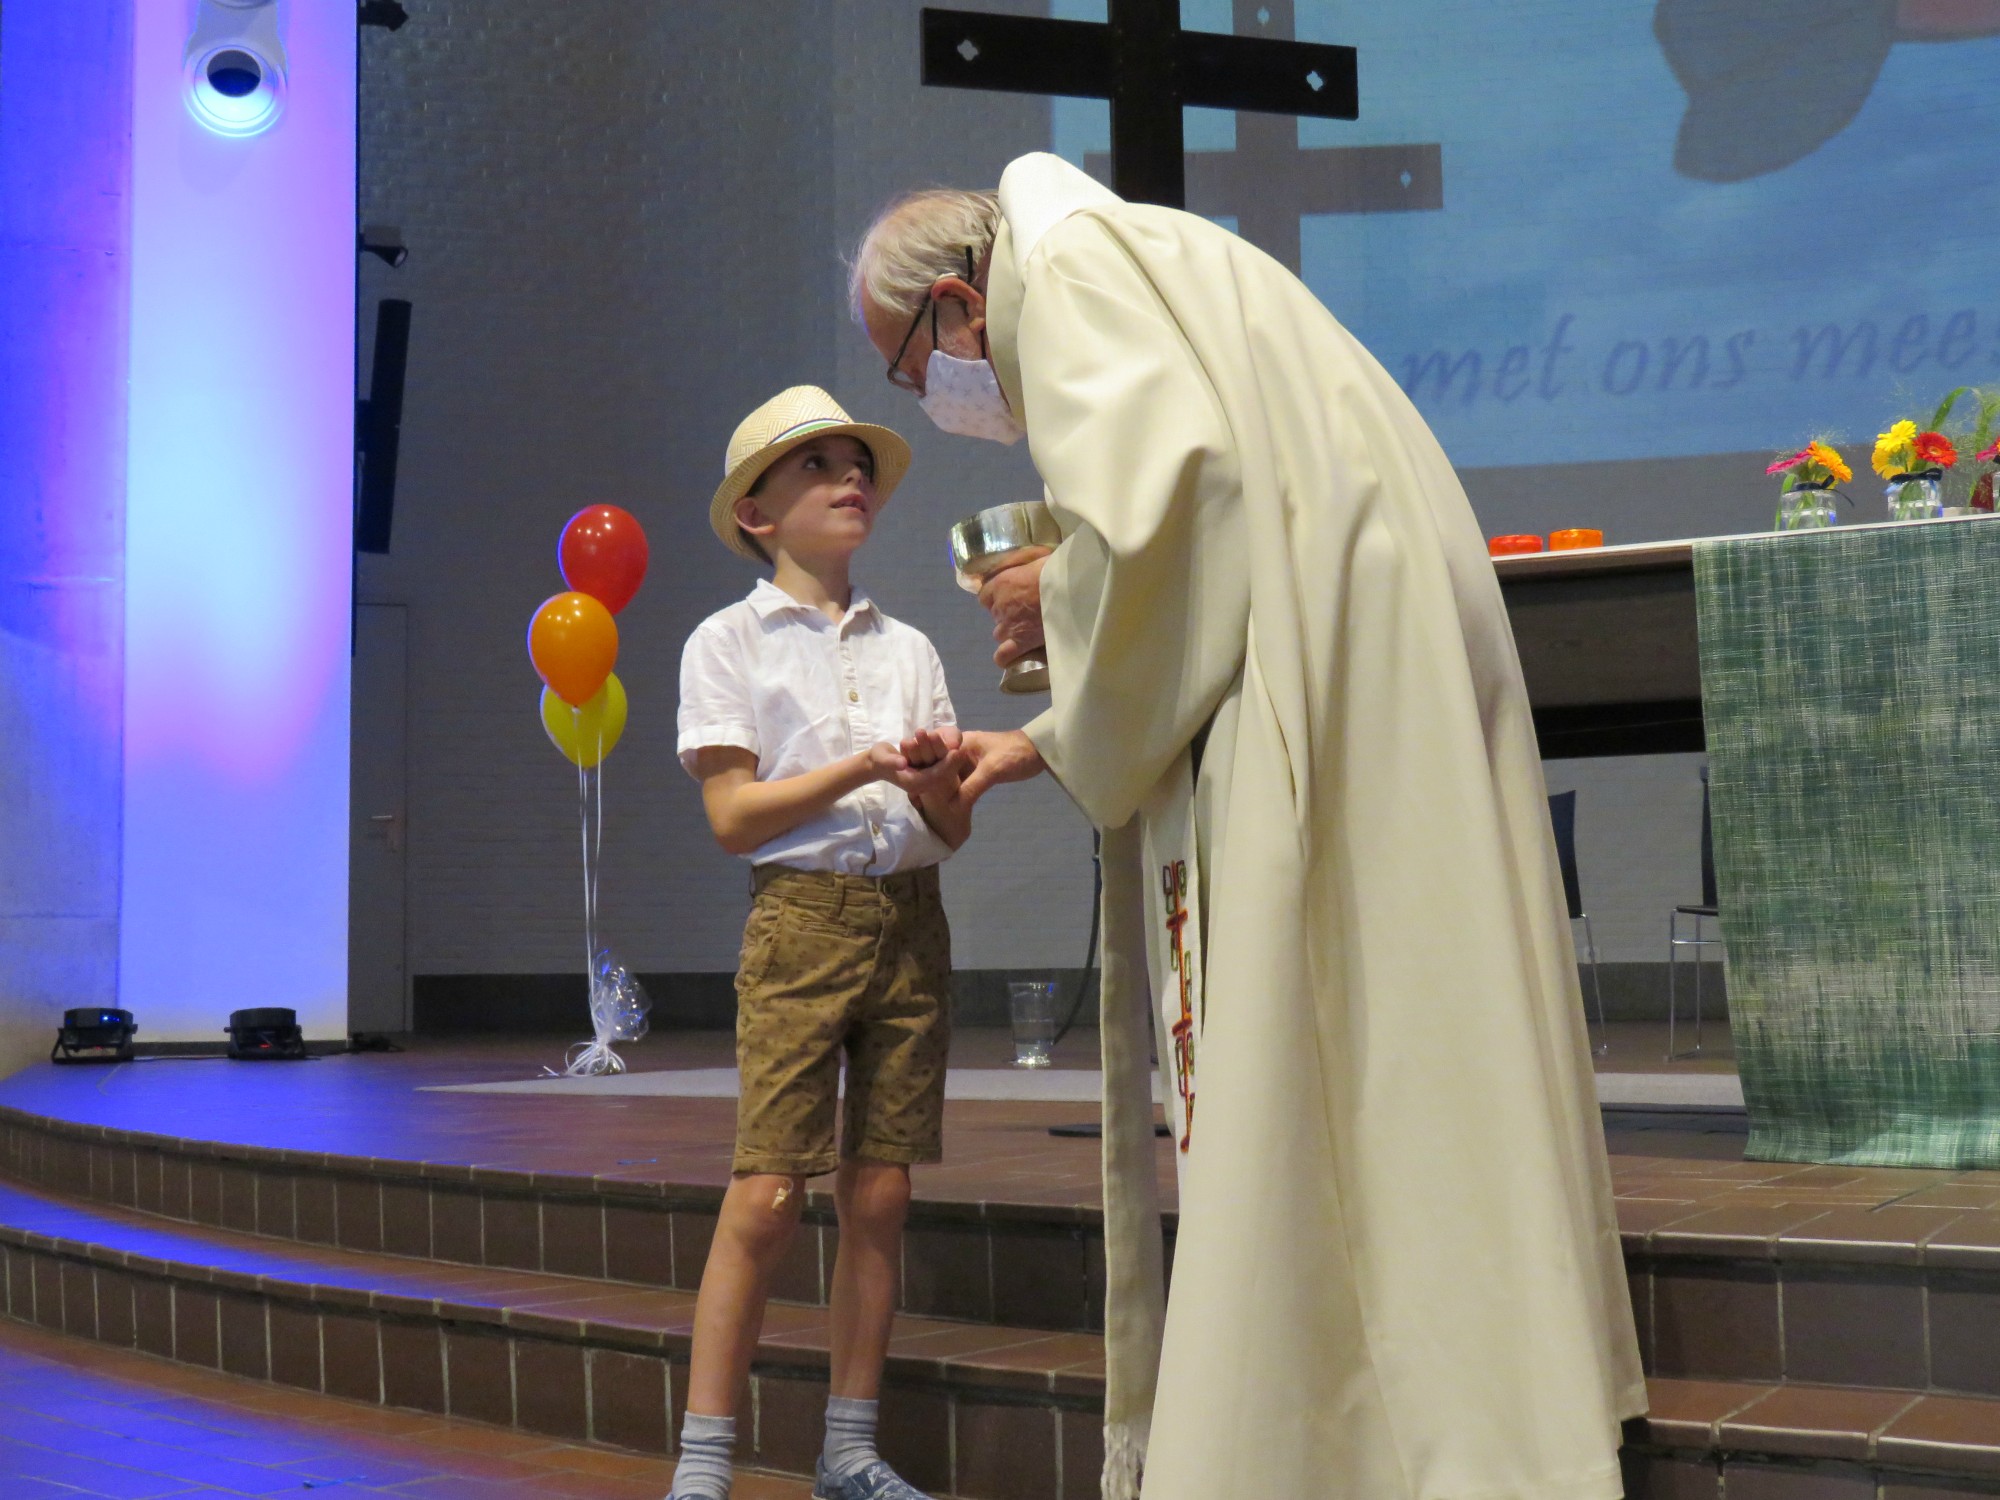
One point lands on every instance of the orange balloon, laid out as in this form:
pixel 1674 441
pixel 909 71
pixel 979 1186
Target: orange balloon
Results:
pixel 573 642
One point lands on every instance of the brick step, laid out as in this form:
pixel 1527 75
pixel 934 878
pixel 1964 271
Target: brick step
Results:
pixel 968 1409
pixel 1728 1440
pixel 1020 1264
pixel 971 1410
pixel 1899 1295
pixel 1739 1270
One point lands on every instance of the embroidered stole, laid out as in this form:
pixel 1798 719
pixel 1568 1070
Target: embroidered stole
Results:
pixel 1173 940
pixel 1152 908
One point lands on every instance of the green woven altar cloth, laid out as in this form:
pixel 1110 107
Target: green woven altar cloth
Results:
pixel 1851 686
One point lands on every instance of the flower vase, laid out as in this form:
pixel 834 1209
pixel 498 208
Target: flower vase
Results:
pixel 1805 509
pixel 1914 497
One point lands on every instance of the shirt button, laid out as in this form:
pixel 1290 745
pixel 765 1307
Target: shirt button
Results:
pixel 852 696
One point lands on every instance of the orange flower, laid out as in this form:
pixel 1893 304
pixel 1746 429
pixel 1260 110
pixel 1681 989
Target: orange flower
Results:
pixel 1934 449
pixel 1830 461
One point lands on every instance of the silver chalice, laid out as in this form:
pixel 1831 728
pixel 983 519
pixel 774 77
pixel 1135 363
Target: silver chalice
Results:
pixel 998 538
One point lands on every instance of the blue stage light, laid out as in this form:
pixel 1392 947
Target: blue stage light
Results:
pixel 94 1034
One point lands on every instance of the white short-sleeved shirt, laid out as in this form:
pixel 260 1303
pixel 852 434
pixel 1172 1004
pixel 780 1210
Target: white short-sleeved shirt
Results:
pixel 778 678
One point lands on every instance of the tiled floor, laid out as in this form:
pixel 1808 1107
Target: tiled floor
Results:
pixel 78 1420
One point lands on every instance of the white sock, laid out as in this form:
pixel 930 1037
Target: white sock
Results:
pixel 706 1446
pixel 850 1436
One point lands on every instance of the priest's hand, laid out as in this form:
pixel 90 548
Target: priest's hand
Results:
pixel 996 757
pixel 1013 596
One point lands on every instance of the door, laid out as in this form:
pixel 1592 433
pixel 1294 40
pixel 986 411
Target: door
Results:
pixel 377 971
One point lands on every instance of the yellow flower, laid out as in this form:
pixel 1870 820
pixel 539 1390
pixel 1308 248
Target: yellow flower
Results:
pixel 1893 449
pixel 1829 460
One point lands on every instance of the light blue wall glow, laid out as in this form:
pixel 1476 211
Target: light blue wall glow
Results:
pixel 238 522
pixel 64 138
pixel 1590 292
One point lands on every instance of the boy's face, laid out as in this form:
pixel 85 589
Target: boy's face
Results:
pixel 817 501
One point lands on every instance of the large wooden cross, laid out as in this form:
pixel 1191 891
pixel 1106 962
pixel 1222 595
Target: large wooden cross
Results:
pixel 1149 69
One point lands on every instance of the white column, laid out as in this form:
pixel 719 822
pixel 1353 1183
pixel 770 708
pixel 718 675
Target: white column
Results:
pixel 239 512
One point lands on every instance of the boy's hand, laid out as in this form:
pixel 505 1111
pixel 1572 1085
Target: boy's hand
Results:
pixel 886 763
pixel 928 746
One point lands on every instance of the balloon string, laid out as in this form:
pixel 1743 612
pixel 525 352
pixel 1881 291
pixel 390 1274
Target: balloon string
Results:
pixel 597 1055
pixel 589 889
pixel 597 847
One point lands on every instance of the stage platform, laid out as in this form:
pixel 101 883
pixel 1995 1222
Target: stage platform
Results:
pixel 365 1227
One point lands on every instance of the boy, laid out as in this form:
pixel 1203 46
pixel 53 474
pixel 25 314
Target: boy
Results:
pixel 812 721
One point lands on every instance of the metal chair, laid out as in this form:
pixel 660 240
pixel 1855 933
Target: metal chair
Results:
pixel 1707 910
pixel 1562 817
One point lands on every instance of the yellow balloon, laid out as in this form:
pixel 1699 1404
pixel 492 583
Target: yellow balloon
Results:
pixel 586 735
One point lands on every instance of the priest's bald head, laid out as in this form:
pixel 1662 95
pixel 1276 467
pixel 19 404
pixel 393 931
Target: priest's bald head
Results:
pixel 917 283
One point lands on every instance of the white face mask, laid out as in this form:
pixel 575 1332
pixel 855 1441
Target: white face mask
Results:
pixel 963 396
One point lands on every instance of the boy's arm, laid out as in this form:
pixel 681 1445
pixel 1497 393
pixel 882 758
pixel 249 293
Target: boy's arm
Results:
pixel 949 813
pixel 746 813
pixel 933 781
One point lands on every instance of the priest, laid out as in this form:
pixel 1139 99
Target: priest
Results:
pixel 1284 686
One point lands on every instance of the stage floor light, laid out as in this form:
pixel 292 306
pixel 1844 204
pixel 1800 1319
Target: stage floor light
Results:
pixel 94 1035
pixel 270 1033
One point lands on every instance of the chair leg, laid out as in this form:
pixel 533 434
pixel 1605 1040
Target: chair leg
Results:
pixel 1699 950
pixel 1675 942
pixel 1596 988
pixel 1673 971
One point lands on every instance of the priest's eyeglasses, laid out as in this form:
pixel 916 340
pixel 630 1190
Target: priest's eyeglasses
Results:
pixel 899 377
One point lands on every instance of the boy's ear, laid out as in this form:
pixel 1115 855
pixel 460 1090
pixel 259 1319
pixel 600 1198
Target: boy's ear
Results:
pixel 752 519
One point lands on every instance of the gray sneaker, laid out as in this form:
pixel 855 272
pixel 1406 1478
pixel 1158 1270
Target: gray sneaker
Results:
pixel 876 1481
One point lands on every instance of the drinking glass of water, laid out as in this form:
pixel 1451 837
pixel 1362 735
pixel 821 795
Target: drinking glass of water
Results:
pixel 1032 1005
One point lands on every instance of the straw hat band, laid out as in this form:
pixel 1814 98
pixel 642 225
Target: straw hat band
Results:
pixel 797 429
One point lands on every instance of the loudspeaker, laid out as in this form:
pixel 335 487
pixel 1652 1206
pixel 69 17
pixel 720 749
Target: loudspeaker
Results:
pixel 378 428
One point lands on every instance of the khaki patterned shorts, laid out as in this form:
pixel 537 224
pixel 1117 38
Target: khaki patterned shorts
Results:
pixel 831 963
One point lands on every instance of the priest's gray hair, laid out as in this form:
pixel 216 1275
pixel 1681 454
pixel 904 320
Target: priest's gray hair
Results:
pixel 914 241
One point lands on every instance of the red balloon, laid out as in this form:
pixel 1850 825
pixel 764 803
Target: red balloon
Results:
pixel 603 554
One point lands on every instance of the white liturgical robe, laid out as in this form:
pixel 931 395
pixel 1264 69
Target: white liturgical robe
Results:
pixel 1397 1275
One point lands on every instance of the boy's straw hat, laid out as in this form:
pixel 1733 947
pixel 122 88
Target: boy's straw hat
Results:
pixel 777 427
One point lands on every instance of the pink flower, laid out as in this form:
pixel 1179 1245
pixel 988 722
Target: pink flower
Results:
pixel 1795 460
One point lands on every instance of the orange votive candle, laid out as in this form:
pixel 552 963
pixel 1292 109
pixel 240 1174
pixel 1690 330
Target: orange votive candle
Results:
pixel 1513 546
pixel 1574 537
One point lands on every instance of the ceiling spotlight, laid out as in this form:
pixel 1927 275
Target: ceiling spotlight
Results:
pixel 384 13
pixel 386 241
pixel 234 66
